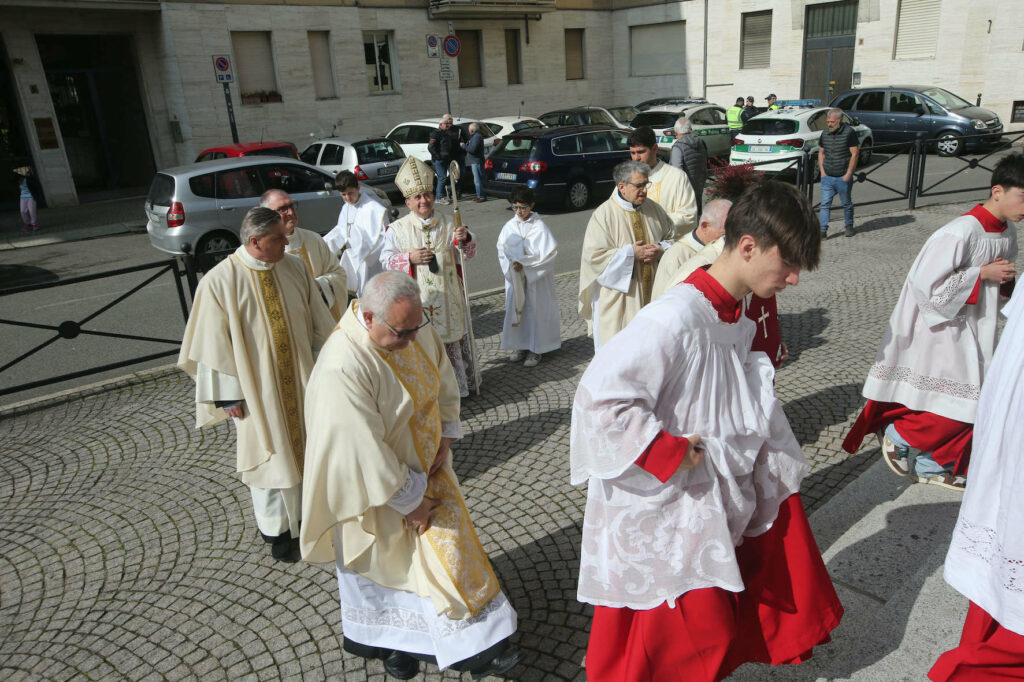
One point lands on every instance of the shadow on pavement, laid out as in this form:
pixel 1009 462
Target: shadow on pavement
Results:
pixel 12 276
pixel 488 447
pixel 803 331
pixel 884 222
pixel 811 414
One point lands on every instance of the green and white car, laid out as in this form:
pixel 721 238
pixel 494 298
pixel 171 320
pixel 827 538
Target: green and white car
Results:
pixel 775 139
pixel 708 122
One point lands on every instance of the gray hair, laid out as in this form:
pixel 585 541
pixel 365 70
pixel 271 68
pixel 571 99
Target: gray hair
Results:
pixel 683 127
pixel 385 289
pixel 447 117
pixel 835 111
pixel 257 223
pixel 715 212
pixel 473 127
pixel 624 171
pixel 268 195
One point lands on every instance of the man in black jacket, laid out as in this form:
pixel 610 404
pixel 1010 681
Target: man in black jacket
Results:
pixel 445 144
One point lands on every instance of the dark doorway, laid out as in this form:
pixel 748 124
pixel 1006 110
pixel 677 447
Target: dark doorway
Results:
pixel 95 90
pixel 14 150
pixel 830 33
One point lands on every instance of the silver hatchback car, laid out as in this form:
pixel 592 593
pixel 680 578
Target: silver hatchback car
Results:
pixel 374 161
pixel 200 207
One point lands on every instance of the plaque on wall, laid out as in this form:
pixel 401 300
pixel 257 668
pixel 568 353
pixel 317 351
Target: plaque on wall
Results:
pixel 46 133
pixel 1017 113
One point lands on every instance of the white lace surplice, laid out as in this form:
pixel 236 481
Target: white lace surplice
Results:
pixel 677 367
pixel 986 556
pixel 538 328
pixel 937 347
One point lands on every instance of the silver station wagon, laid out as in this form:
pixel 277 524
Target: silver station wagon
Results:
pixel 200 207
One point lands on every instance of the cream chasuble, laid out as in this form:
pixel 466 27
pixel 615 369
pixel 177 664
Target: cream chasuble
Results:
pixel 671 189
pixel 685 256
pixel 374 415
pixel 322 266
pixel 259 323
pixel 441 292
pixel 613 284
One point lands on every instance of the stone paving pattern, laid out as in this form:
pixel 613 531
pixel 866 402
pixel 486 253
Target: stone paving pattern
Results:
pixel 128 548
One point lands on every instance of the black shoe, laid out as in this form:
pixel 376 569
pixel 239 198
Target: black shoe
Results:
pixel 850 231
pixel 401 665
pixel 501 663
pixel 285 549
pixel 271 539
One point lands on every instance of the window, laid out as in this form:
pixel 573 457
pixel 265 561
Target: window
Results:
pixel 377 151
pixel 554 119
pixel 254 62
pixel 620 141
pixel 470 60
pixel 816 123
pixel 200 185
pixel 756 46
pixel 323 71
pixel 334 155
pixel 310 154
pixel 904 102
pixel 513 58
pixel 569 144
pixel 573 54
pixel 240 183
pixel 597 117
pixel 871 101
pixel 704 117
pixel 595 142
pixel 917 29
pixel 846 103
pixel 657 49
pixel 292 179
pixel 380 76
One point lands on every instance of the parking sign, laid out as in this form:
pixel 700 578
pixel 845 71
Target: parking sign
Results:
pixel 222 68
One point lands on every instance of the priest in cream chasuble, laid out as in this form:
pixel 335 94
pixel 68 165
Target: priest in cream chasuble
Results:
pixel 256 320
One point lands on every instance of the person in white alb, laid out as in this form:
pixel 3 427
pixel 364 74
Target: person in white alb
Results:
pixel 257 318
pixel 358 238
pixel 625 239
pixel 526 253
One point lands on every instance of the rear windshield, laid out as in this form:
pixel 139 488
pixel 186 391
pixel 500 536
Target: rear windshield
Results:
pixel 161 192
pixel 377 151
pixel 526 125
pixel 770 126
pixel 273 151
pixel 655 119
pixel 515 148
pixel 624 114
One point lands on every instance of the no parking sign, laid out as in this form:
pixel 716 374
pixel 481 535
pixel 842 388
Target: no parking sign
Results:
pixel 452 45
pixel 222 68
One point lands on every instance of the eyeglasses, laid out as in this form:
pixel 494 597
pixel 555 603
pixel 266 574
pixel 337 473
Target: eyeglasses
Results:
pixel 640 185
pixel 405 333
pixel 520 207
pixel 285 208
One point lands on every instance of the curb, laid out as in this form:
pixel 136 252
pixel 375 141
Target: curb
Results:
pixel 31 239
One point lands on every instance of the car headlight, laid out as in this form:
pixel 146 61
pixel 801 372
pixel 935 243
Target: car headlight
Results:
pixel 977 123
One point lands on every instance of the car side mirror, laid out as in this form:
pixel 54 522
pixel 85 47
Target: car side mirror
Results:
pixel 328 186
pixel 856 121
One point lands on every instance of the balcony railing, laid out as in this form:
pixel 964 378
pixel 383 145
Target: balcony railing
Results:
pixel 477 9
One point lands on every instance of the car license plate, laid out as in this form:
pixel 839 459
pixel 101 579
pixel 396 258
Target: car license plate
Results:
pixel 387 171
pixel 760 147
pixel 510 177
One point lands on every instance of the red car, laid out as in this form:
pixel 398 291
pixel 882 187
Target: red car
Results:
pixel 286 149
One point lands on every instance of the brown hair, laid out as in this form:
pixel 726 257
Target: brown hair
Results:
pixel 776 214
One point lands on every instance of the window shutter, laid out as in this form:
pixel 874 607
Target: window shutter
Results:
pixel 657 49
pixel 470 73
pixel 320 56
pixel 573 53
pixel 757 40
pixel 917 29
pixel 254 61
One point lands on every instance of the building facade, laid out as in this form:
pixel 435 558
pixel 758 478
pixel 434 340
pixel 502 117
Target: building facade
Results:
pixel 97 94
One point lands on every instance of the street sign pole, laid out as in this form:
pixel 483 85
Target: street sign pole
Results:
pixel 231 112
pixel 447 98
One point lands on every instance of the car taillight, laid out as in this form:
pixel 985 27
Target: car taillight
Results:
pixel 176 215
pixel 360 174
pixel 488 164
pixel 795 142
pixel 534 166
pixel 669 132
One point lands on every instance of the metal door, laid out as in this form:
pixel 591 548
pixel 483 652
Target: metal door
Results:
pixel 829 38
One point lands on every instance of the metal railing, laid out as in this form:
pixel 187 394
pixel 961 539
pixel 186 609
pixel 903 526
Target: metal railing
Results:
pixel 71 329
pixel 997 143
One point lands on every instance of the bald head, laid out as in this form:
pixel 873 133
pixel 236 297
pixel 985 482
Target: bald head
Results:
pixel 712 220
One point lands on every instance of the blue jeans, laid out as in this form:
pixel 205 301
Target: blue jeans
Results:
pixel 830 186
pixel 441 168
pixel 478 179
pixel 923 466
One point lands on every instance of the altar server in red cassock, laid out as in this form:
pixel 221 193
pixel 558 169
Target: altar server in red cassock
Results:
pixel 697 554
pixel 923 388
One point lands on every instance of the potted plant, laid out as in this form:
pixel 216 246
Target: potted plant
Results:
pixel 251 98
pixel 271 96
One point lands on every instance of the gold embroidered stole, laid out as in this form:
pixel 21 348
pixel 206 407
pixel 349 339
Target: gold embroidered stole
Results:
pixel 646 272
pixel 287 383
pixel 451 534
pixel 302 253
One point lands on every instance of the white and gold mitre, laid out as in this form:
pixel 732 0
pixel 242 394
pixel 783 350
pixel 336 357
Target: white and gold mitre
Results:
pixel 414 177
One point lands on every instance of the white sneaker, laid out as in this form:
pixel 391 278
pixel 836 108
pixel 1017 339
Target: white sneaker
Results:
pixel 517 356
pixel 532 360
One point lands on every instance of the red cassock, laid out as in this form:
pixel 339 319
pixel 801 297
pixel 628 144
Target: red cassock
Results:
pixel 948 440
pixel 787 607
pixel 987 652
pixel 768 337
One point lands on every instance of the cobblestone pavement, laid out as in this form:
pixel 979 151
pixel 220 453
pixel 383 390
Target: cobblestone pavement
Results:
pixel 128 548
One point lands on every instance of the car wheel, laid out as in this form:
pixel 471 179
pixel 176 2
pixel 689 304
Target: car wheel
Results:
pixel 949 144
pixel 865 152
pixel 213 248
pixel 578 195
